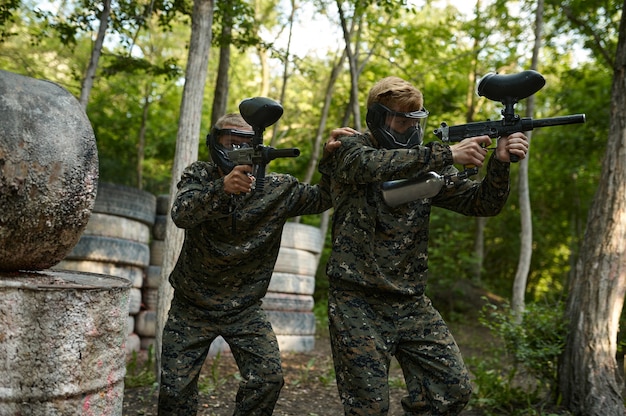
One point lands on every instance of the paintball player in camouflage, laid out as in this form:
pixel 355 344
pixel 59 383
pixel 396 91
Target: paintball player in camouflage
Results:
pixel 222 273
pixel 378 265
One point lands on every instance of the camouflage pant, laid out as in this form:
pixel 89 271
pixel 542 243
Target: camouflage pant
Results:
pixel 367 330
pixel 187 337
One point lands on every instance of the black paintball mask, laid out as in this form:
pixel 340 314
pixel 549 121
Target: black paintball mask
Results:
pixel 219 150
pixel 394 129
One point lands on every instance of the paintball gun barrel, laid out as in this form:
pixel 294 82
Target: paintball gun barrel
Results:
pixel 501 128
pixel 507 89
pixel 260 112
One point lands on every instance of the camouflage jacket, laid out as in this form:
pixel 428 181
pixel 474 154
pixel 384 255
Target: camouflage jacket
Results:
pixel 223 269
pixel 384 249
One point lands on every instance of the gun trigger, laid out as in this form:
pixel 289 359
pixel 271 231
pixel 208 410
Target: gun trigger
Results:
pixel 251 176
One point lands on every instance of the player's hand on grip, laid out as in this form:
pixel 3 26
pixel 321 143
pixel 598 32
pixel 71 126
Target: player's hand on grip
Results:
pixel 239 180
pixel 515 144
pixel 471 151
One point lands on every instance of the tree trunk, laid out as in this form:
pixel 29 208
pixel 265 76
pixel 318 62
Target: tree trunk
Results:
pixel 220 98
pixel 354 74
pixel 479 248
pixel 470 100
pixel 141 142
pixel 518 301
pixel 265 71
pixel 589 378
pixel 186 149
pixel 95 54
pixel 286 72
pixel 319 137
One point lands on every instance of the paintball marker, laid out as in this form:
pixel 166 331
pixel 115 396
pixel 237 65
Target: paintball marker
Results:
pixel 260 112
pixel 507 89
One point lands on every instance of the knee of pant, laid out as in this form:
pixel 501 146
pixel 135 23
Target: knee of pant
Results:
pixel 461 394
pixel 265 382
pixel 276 379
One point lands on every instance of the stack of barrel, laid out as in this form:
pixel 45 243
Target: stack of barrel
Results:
pixel 116 242
pixel 147 318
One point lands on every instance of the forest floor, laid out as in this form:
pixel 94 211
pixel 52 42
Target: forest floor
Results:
pixel 310 387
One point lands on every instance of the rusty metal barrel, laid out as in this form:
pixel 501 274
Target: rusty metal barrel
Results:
pixel 62 333
pixel 62 343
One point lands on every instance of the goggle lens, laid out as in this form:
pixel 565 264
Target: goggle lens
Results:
pixel 232 139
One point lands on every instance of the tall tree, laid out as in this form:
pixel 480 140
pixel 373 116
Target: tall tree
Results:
pixel 266 18
pixel 237 27
pixel 352 59
pixel 220 97
pixel 523 265
pixel 186 148
pixel 90 73
pixel 141 139
pixel 286 57
pixel 73 20
pixel 589 378
pixel 481 222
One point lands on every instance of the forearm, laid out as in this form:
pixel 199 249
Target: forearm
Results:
pixel 197 201
pixel 358 163
pixel 473 198
pixel 312 199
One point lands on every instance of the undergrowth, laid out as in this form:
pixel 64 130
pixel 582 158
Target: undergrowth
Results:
pixel 518 376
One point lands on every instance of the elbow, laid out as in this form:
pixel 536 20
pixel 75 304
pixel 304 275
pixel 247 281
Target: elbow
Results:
pixel 495 209
pixel 181 219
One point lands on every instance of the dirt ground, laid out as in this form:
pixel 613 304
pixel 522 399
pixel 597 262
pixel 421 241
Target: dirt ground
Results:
pixel 310 388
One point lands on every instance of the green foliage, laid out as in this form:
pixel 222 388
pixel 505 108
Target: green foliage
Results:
pixel 451 262
pixel 495 393
pixel 120 63
pixel 534 346
pixel 518 374
pixel 594 23
pixel 304 373
pixel 7 10
pixel 140 373
pixel 450 247
pixel 138 88
pixel 239 16
pixel 327 378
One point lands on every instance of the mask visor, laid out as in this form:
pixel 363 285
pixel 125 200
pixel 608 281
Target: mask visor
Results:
pixel 231 139
pixel 406 129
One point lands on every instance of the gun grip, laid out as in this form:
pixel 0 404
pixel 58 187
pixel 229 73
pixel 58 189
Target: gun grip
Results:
pixel 259 174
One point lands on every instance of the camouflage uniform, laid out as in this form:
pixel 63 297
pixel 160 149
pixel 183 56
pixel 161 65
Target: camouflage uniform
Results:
pixel 219 280
pixel 377 273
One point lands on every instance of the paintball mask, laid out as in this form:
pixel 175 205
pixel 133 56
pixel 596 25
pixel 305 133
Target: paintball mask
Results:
pixel 394 129
pixel 219 150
